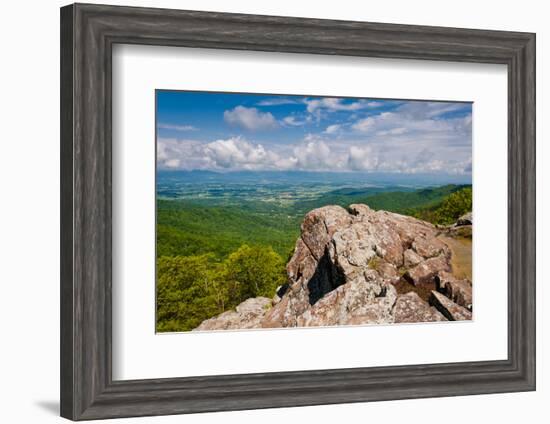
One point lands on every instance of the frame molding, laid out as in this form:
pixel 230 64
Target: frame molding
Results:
pixel 88 33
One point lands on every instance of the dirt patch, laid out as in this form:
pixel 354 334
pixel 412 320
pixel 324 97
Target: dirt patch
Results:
pixel 461 256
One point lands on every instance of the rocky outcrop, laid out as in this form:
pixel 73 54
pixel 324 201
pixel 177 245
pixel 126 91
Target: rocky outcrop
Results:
pixel 346 262
pixel 345 269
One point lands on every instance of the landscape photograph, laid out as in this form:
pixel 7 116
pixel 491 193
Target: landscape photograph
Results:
pixel 287 211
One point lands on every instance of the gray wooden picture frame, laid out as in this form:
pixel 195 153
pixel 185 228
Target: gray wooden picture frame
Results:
pixel 88 33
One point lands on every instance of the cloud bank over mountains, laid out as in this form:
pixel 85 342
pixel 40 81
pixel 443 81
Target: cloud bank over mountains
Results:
pixel 323 134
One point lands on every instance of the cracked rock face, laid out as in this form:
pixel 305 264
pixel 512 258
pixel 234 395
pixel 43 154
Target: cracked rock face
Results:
pixel 411 308
pixel 343 271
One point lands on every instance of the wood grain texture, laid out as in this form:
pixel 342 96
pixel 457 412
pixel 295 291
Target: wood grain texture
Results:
pixel 66 214
pixel 88 33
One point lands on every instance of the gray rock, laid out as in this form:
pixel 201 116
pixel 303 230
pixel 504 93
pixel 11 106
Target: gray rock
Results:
pixel 426 271
pixel 441 279
pixel 387 271
pixel 411 308
pixel 459 231
pixel 411 258
pixel 459 291
pixel 248 314
pixel 429 247
pixel 354 303
pixel 447 307
pixel 466 219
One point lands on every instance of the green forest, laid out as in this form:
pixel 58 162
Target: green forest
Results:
pixel 211 257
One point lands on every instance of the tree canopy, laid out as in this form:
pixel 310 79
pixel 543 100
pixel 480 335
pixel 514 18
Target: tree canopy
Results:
pixel 191 289
pixel 448 210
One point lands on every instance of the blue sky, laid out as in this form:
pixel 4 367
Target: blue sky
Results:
pixel 227 131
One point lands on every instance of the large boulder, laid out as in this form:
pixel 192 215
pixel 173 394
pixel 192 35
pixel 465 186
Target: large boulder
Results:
pixel 346 262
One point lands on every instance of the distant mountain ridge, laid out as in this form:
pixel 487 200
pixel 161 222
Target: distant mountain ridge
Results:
pixel 317 176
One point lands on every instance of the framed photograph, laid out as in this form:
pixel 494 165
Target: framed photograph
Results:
pixel 262 212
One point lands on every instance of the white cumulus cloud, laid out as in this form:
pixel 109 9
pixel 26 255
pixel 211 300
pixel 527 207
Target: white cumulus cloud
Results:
pixel 238 153
pixel 181 154
pixel 294 121
pixel 333 129
pixel 250 118
pixel 315 154
pixel 336 104
pixel 413 137
pixel 278 101
pixel 421 120
pixel 362 158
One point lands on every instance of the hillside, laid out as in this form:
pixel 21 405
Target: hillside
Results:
pixel 193 227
